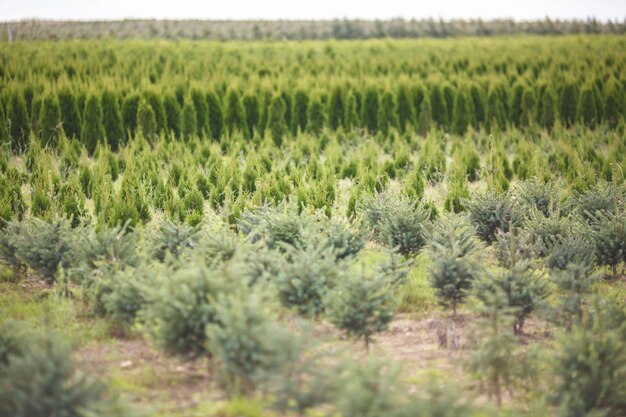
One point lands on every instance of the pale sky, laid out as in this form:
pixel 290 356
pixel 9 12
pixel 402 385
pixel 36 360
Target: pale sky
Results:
pixel 315 9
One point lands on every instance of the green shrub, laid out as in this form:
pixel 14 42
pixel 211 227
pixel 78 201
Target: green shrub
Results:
pixel 362 305
pixel 490 212
pixel 146 120
pixel 50 126
pixel 92 130
pixel 306 277
pixel 608 233
pixel 249 343
pixel 112 120
pixel 172 238
pixel 44 247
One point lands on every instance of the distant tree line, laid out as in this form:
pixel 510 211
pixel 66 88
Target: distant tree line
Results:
pixel 298 29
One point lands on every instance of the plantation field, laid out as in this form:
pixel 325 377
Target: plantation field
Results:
pixel 373 228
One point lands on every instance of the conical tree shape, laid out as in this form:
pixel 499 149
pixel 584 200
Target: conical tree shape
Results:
pixel 613 103
pixel 316 116
pixel 370 109
pixel 336 108
pixel 92 130
pixel 461 114
pixel 405 109
pixel 449 94
pixel 529 107
pixel 386 113
pixel 235 114
pixel 587 111
pixel 146 120
pixel 129 114
pixel 438 106
pixel 69 113
pixel 548 115
pixel 569 100
pixel 276 123
pixel 172 114
pixel 112 120
pixel 299 112
pixel 156 102
pixel 202 112
pixel 516 112
pixel 251 106
pixel 495 110
pixel 352 113
pixel 216 115
pixel 425 117
pixel 477 100
pixel 18 120
pixel 50 126
pixel 288 99
pixel 188 120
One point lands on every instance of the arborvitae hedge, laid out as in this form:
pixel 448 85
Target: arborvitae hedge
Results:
pixel 147 123
pixel 188 120
pixel 216 115
pixel 235 114
pixel 50 127
pixel 129 113
pixel 70 113
pixel 172 114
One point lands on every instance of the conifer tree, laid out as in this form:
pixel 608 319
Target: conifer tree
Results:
pixel 529 107
pixel 172 114
pixel 146 120
pixel 425 117
pixel 370 109
pixel 569 103
pixel 316 116
pixel 477 101
pixel 495 110
pixel 461 114
pixel 516 111
pixel 299 112
pixel 449 95
pixel 112 120
pixel 235 114
pixel 202 113
pixel 92 131
pixel 587 110
pixel 387 117
pixel 156 102
pixel 216 115
pixel 69 113
pixel 613 103
pixel 453 249
pixel 438 106
pixel 352 112
pixel 129 113
pixel 251 106
pixel 548 114
pixel 362 305
pixel 19 121
pixel 50 127
pixel 336 108
pixel 188 121
pixel 276 121
pixel 405 109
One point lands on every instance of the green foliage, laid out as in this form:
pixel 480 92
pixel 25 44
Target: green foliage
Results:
pixel 362 305
pixel 235 114
pixel 92 131
pixel 188 120
pixel 146 120
pixel 40 366
pixel 172 115
pixel 130 105
pixel 305 278
pixel 461 113
pixel 180 305
pixel 456 266
pixel 216 115
pixel 248 342
pixel 608 232
pixel 44 246
pixel 491 212
pixel 575 280
pixel 589 370
pixel 70 113
pixel 276 123
pixel 49 123
pixel 173 238
pixel 112 120
pixel 19 121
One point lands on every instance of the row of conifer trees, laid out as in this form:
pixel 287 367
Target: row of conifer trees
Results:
pixel 92 117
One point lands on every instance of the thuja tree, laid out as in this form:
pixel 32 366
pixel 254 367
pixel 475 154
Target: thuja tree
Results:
pixel 146 120
pixel 69 113
pixel 276 123
pixel 50 127
pixel 92 131
pixel 18 121
pixel 299 112
pixel 188 120
pixel 112 120
pixel 129 113
pixel 235 114
pixel 216 115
